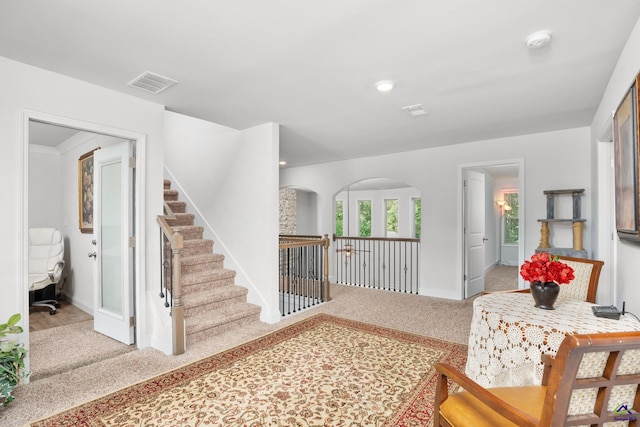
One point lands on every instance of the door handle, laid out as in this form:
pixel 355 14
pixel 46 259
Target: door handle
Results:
pixel 484 239
pixel 93 255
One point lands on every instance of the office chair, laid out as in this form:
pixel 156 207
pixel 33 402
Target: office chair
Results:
pixel 46 264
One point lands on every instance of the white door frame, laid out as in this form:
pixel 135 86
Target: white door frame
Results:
pixel 461 216
pixel 139 273
pixel 605 212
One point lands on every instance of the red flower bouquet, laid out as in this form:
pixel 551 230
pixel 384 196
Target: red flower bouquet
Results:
pixel 544 268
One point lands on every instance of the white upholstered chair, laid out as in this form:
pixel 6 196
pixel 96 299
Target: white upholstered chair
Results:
pixel 46 265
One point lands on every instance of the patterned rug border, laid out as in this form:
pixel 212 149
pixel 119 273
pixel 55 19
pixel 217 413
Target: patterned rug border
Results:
pixel 415 410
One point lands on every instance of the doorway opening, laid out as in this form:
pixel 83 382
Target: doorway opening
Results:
pixel 51 147
pixel 490 239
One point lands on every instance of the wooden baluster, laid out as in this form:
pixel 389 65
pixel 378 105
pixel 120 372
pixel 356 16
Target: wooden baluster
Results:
pixel 326 294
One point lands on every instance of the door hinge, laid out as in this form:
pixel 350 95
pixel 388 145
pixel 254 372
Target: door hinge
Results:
pixel 465 183
pixel 132 162
pixel 132 242
pixel 465 277
pixel 132 321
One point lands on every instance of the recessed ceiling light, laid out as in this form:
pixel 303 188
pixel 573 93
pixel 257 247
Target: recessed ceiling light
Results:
pixel 282 162
pixel 538 39
pixel 385 85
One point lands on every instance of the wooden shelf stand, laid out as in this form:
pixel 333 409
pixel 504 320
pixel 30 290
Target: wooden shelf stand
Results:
pixel 578 224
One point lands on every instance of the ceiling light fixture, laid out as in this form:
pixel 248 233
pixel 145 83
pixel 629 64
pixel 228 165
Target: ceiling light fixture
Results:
pixel 385 85
pixel 282 162
pixel 538 39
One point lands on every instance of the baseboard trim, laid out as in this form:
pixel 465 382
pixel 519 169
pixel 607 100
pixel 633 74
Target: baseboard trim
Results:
pixel 80 304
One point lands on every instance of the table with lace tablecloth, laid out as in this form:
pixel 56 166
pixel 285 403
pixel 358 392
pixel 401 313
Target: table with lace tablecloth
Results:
pixel 509 335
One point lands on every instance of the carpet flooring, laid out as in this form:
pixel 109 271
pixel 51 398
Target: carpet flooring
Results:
pixel 83 346
pixel 438 318
pixel 321 371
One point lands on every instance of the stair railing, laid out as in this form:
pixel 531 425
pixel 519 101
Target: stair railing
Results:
pixel 391 264
pixel 171 244
pixel 304 272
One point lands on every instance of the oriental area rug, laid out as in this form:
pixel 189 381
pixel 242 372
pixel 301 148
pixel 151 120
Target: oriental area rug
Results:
pixel 321 371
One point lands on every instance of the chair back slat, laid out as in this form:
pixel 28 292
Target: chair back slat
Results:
pixel 594 380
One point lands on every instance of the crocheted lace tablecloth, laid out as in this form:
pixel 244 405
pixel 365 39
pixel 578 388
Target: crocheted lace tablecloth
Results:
pixel 509 335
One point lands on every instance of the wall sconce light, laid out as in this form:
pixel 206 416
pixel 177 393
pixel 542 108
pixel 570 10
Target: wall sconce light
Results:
pixel 503 205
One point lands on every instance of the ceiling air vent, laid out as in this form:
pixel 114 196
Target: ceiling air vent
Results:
pixel 415 110
pixel 152 82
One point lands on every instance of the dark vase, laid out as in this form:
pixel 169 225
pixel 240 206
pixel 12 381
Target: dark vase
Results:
pixel 545 294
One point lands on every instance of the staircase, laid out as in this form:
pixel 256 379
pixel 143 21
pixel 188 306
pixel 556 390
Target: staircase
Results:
pixel 212 302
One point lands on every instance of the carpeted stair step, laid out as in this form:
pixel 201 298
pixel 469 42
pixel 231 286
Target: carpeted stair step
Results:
pixel 214 299
pixel 197 247
pixel 189 232
pixel 177 206
pixel 213 303
pixel 202 262
pixel 219 321
pixel 171 194
pixel 202 280
pixel 183 219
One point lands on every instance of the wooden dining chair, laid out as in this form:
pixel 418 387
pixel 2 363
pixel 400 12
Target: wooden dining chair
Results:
pixel 584 286
pixel 593 379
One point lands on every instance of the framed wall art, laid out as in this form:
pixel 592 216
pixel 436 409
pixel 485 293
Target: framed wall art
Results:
pixel 625 141
pixel 85 192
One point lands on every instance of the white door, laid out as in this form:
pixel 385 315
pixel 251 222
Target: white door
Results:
pixel 113 226
pixel 474 232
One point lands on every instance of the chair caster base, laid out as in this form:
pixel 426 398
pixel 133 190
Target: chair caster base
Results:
pixel 52 312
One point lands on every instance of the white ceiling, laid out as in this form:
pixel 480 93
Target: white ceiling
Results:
pixel 47 135
pixel 310 65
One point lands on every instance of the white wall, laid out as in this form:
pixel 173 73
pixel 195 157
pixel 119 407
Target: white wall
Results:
pixel 34 89
pixel 553 160
pixel 45 188
pixel 624 257
pixel 230 180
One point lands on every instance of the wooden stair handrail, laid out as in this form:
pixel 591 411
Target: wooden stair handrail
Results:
pixel 302 241
pixel 176 242
pixel 385 239
pixel 168 212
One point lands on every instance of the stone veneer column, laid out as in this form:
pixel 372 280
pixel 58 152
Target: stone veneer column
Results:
pixel 288 211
